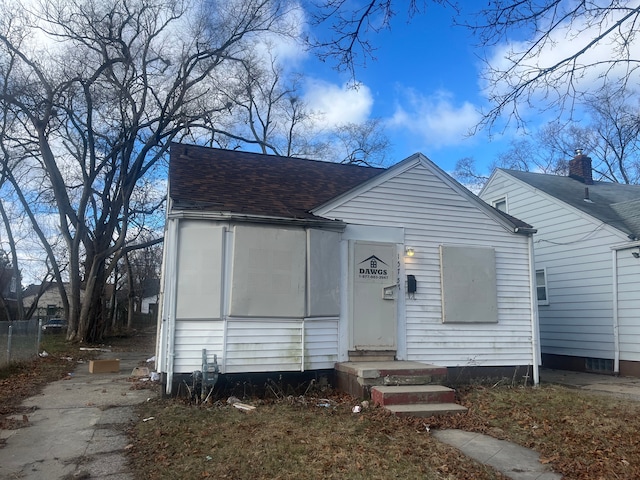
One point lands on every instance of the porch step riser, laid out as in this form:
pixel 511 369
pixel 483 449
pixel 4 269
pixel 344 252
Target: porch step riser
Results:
pixel 403 388
pixel 372 355
pixel 428 410
pixel 372 358
pixel 395 380
pixel 404 398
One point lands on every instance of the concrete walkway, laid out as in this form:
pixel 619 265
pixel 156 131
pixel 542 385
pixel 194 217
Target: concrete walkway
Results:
pixel 78 427
pixel 512 460
pixel 621 387
pixel 519 463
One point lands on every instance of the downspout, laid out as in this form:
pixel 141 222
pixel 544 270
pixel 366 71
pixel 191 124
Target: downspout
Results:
pixel 535 324
pixel 171 304
pixel 616 338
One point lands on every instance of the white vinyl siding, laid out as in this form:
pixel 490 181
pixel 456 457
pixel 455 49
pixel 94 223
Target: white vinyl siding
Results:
pixel 263 345
pixel 258 345
pixel 628 305
pixel 190 338
pixel 321 343
pixel 575 250
pixel 433 214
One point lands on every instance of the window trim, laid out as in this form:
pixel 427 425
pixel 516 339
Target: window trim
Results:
pixel 545 286
pixel 494 203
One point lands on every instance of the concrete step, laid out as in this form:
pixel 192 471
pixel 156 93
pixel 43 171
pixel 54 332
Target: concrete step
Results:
pixel 357 378
pixel 372 355
pixel 411 394
pixel 426 409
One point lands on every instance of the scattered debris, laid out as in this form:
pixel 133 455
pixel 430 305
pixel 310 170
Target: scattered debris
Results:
pixel 152 359
pixel 364 404
pixel 155 376
pixel 235 401
pixel 148 418
pixel 356 409
pixel 140 372
pixel 95 349
pixel 43 354
pixel 244 407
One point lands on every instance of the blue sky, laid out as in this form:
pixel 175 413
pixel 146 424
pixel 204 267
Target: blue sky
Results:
pixel 425 85
pixel 426 82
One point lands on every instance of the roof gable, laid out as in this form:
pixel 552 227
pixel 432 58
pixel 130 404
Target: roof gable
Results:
pixel 418 159
pixel 216 180
pixel 614 204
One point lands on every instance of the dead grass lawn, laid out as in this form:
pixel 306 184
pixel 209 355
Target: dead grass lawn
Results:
pixel 581 436
pixel 291 439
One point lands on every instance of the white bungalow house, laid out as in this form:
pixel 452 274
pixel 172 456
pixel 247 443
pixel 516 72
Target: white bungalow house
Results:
pixel 587 260
pixel 277 264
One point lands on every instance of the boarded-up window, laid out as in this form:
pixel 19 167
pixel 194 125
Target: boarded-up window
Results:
pixel 323 272
pixel 199 270
pixel 268 272
pixel 469 292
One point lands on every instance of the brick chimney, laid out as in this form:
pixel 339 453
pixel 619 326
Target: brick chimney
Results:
pixel 580 168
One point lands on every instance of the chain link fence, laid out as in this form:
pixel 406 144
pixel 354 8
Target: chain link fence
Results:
pixel 19 340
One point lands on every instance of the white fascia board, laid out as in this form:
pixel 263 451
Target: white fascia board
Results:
pixel 328 224
pixel 625 246
pixel 495 173
pixel 610 228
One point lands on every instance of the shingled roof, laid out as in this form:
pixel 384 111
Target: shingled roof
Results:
pixel 614 204
pixel 210 179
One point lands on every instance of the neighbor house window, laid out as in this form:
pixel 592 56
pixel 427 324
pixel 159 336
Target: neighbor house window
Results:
pixel 541 286
pixel 500 204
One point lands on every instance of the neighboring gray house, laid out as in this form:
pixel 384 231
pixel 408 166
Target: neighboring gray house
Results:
pixel 278 264
pixel 49 304
pixel 587 257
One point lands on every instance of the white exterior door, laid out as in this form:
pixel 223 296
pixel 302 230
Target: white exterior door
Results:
pixel 374 267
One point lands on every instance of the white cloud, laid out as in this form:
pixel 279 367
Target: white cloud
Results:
pixel 338 104
pixel 592 69
pixel 435 119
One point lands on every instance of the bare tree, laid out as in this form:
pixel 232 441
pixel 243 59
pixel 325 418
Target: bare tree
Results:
pixel 101 89
pixel 351 26
pixel 362 144
pixel 599 42
pixel 267 111
pixel 610 134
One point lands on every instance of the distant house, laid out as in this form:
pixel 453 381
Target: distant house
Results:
pixel 277 264
pixel 150 296
pixel 49 304
pixel 587 257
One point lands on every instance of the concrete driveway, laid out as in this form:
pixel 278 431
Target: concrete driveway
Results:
pixel 78 426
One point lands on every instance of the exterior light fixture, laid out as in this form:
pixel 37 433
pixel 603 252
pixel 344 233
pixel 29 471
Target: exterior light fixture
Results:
pixel 636 254
pixel 409 252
